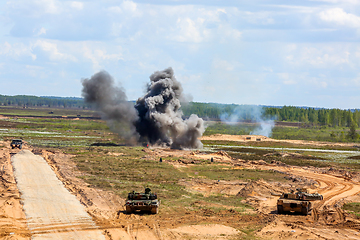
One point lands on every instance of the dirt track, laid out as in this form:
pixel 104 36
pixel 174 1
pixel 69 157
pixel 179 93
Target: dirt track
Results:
pixel 327 220
pixel 49 207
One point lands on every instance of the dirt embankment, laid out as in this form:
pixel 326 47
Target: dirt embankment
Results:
pixel 12 217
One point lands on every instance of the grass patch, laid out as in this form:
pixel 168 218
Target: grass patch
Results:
pixel 130 171
pixel 229 173
pixel 44 111
pixel 250 231
pixel 233 129
pixel 353 208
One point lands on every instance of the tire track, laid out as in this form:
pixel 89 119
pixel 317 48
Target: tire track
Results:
pixel 51 211
pixel 333 188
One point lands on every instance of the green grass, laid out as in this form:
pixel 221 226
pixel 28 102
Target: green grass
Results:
pixel 233 129
pixel 129 171
pixel 229 173
pixel 43 111
pixel 57 132
pixel 328 134
pixel 319 133
pixel 353 208
pixel 132 171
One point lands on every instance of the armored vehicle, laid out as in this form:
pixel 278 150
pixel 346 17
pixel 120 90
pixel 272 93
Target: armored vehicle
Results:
pixel 299 201
pixel 142 201
pixel 16 143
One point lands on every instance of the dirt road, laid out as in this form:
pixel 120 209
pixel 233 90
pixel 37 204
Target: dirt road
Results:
pixel 51 211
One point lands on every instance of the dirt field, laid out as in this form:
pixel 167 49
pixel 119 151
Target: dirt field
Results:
pixel 327 220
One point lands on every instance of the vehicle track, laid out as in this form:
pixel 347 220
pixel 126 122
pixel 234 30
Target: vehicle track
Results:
pixel 51 211
pixel 333 189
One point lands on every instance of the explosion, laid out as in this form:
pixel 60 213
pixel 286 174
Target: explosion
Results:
pixel 156 117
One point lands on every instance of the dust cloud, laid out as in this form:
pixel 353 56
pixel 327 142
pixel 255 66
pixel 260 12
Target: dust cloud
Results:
pixel 253 114
pixel 156 117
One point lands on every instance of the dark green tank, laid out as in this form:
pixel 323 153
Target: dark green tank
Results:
pixel 142 201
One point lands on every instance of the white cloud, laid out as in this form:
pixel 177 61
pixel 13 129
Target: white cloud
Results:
pixel 286 79
pixel 129 6
pixel 115 9
pixel 35 71
pixel 254 46
pixel 267 69
pixel 126 7
pixel 319 57
pixel 224 65
pixel 16 50
pixel 340 17
pixel 41 31
pixel 52 50
pixel 319 83
pixel 356 81
pixel 50 6
pixel 99 57
pixel 77 5
pixel 262 18
pixel 226 33
pixel 339 1
pixel 295 8
pixel 190 31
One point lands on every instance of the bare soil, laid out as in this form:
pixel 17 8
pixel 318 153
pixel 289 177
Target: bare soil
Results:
pixel 327 220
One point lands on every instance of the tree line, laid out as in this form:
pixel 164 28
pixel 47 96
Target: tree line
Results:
pixel 214 111
pixel 323 117
pixel 34 101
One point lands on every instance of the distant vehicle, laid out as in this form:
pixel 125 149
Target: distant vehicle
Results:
pixel 297 202
pixel 16 143
pixel 142 201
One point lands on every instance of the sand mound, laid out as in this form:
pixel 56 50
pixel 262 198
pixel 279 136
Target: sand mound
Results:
pixel 259 188
pixel 222 154
pixel 207 230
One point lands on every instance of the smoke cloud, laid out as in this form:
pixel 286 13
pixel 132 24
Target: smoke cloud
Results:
pixel 156 117
pixel 111 102
pixel 252 114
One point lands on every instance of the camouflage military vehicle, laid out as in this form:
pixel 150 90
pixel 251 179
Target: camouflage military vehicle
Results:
pixel 16 143
pixel 142 201
pixel 299 201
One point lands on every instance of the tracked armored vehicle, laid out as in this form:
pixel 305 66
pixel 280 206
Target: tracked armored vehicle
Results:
pixel 142 201
pixel 16 143
pixel 299 201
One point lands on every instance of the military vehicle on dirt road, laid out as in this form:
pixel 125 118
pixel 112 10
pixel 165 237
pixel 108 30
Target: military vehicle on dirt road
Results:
pixel 299 201
pixel 16 143
pixel 142 201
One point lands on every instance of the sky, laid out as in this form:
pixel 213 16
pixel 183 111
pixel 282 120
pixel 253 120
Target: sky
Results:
pixel 263 52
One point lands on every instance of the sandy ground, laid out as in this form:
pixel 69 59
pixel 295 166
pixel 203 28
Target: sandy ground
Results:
pixel 327 220
pixel 48 205
pixel 246 138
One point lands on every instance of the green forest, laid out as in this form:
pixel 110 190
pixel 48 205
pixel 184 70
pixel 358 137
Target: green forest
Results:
pixel 214 111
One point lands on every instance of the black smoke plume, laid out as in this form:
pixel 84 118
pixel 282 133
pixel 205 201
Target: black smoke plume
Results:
pixel 156 117
pixel 111 102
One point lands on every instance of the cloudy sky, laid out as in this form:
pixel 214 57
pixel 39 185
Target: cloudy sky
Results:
pixel 268 52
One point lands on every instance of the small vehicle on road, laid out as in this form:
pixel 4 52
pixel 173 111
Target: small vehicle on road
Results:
pixel 142 201
pixel 299 201
pixel 16 143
